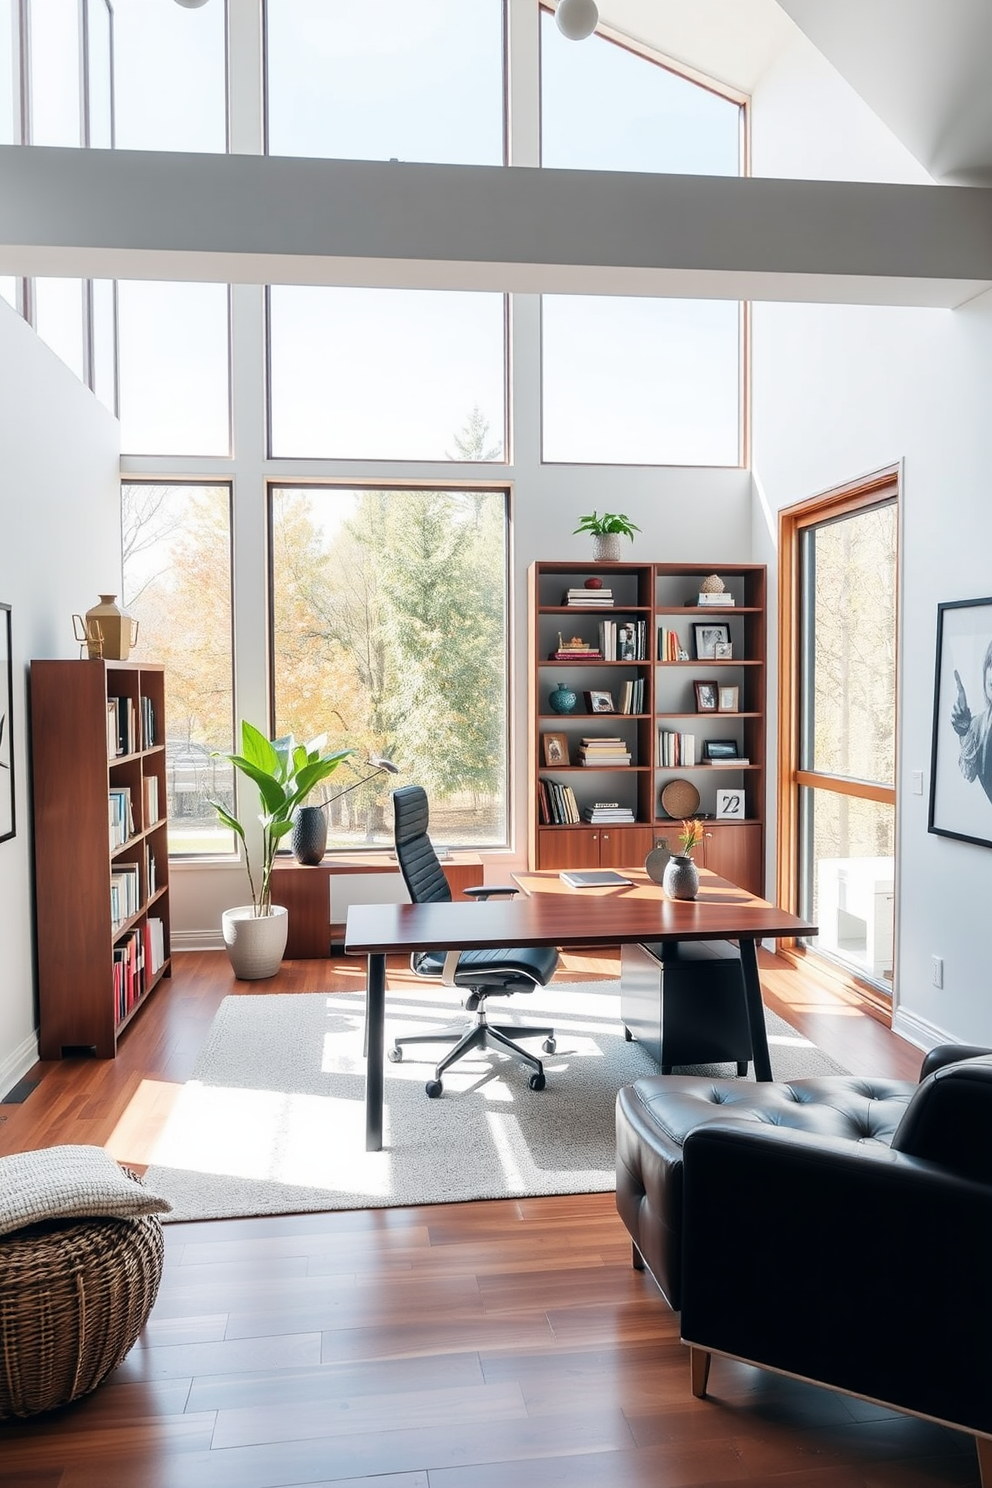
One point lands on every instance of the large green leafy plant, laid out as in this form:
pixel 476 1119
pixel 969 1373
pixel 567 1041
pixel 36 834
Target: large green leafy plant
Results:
pixel 608 524
pixel 285 773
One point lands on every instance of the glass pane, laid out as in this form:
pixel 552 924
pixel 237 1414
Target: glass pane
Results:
pixel 174 380
pixel 390 636
pixel 848 849
pixel 99 63
pixel 170 76
pixel 58 319
pixel 606 108
pixel 105 342
pixel 8 289
pixel 640 381
pixel 849 625
pixel 391 81
pixel 55 72
pixel 177 585
pixel 386 374
pixel 10 133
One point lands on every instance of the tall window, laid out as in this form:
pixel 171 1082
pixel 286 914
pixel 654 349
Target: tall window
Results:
pixel 632 381
pixel 389 635
pixel 170 76
pixel 839 660
pixel 174 376
pixel 177 585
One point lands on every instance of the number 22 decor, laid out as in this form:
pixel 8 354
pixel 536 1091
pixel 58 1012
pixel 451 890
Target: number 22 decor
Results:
pixel 6 728
pixel 961 762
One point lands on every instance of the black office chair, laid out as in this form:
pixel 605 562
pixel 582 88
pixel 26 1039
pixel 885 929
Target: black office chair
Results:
pixel 484 974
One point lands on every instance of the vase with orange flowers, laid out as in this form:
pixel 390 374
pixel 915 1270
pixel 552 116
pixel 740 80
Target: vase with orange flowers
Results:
pixel 681 880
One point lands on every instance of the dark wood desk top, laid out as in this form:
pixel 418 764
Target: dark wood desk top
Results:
pixel 551 913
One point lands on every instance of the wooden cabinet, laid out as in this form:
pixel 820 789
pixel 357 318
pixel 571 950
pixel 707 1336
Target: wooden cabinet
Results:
pixel 101 848
pixel 671 729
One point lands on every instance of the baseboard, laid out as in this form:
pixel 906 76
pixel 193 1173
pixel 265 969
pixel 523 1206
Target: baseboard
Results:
pixel 17 1064
pixel 919 1031
pixel 197 940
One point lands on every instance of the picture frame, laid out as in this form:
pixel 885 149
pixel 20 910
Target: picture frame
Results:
pixel 728 699
pixel 706 696
pixel 730 805
pixel 555 749
pixel 8 824
pixel 707 635
pixel 720 749
pixel 600 702
pixel 961 748
pixel 723 651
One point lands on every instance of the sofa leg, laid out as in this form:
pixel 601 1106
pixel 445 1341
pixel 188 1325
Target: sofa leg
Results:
pixel 984 1445
pixel 699 1368
pixel 636 1259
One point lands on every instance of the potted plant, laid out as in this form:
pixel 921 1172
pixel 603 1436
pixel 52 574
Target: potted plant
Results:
pixel 285 773
pixel 681 878
pixel 606 532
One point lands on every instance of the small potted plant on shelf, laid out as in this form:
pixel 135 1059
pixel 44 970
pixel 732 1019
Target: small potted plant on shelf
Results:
pixel 681 879
pixel 606 532
pixel 285 773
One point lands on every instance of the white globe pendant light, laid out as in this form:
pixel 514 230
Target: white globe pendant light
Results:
pixel 191 4
pixel 577 19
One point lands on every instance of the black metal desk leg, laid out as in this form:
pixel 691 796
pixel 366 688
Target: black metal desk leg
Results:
pixel 755 1010
pixel 375 1022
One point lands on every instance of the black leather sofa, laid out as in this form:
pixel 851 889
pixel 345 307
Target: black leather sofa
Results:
pixel 836 1229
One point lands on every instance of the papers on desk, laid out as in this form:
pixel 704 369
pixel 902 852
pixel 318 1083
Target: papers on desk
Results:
pixel 595 878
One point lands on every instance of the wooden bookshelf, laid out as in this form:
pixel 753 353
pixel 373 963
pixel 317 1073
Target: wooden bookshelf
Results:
pixel 80 712
pixel 656 596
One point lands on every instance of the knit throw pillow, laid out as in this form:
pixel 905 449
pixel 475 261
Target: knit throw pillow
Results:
pixel 69 1183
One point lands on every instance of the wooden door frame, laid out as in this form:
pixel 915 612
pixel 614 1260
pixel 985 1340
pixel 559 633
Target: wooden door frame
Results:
pixel 875 489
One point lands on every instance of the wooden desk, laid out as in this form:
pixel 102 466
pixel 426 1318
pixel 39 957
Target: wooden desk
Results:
pixel 552 914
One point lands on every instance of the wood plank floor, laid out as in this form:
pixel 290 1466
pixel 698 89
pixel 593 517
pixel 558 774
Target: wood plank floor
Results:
pixel 449 1346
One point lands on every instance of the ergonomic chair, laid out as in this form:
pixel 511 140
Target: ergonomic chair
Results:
pixel 482 974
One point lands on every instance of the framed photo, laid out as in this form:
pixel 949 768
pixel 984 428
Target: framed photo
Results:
pixel 555 749
pixel 7 824
pixel 723 651
pixel 730 805
pixel 720 749
pixel 600 702
pixel 706 697
pixel 709 634
pixel 961 754
pixel 727 699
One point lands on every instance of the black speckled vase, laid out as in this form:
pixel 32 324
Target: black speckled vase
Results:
pixel 308 839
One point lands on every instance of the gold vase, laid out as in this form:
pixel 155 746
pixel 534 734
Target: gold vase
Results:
pixel 117 631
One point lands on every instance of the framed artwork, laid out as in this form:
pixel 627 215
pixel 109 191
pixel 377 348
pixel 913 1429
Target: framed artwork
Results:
pixel 730 805
pixel 720 749
pixel 961 752
pixel 708 635
pixel 706 697
pixel 723 651
pixel 600 702
pixel 7 824
pixel 555 749
pixel 727 699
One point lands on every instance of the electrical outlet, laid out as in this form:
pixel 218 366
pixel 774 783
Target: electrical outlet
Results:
pixel 937 970
pixel 917 779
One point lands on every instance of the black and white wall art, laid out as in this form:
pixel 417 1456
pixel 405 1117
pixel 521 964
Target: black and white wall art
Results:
pixel 961 761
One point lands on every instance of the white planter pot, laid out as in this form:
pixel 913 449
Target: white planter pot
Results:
pixel 607 547
pixel 255 945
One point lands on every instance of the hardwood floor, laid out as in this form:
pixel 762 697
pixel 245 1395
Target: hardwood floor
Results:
pixel 449 1346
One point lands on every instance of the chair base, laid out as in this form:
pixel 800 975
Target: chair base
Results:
pixel 481 1035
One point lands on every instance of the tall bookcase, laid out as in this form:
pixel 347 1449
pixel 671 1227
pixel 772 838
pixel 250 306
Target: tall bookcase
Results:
pixel 100 846
pixel 648 599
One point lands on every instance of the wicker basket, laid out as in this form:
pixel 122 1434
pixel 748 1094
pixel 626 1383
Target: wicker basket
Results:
pixel 74 1295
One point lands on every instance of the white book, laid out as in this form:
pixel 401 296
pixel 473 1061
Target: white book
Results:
pixel 596 878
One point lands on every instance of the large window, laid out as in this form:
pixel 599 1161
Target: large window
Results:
pixel 174 368
pixel 391 82
pixel 177 585
pixel 170 76
pixel 389 635
pixel 387 374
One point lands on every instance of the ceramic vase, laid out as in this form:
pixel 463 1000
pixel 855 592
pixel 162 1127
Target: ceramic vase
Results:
pixel 108 624
pixel 681 878
pixel 606 547
pixel 308 838
pixel 563 699
pixel 255 943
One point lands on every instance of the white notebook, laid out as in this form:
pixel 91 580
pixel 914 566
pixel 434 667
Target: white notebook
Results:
pixel 593 878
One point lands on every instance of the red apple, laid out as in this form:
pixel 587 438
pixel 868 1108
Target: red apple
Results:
pixel 594 583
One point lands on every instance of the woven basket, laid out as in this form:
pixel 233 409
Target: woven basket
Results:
pixel 74 1295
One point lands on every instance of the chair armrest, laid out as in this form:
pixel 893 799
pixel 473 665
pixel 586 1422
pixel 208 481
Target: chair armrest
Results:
pixel 950 1054
pixel 487 891
pixel 841 1262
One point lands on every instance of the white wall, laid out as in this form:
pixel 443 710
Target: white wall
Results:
pixel 59 547
pixel 843 391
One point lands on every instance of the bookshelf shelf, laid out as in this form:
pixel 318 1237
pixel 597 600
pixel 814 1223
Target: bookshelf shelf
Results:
pixel 96 972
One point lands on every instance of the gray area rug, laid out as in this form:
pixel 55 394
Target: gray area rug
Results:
pixel 272 1120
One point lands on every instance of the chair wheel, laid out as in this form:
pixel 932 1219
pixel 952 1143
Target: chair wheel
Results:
pixel 537 1082
pixel 395 1056
pixel 549 1046
pixel 433 1088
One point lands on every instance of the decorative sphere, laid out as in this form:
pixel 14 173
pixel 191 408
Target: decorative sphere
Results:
pixel 594 583
pixel 713 585
pixel 563 699
pixel 576 19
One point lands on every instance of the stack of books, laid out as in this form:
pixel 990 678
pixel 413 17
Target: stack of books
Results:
pixel 722 597
pixel 676 749
pixel 121 816
pixel 556 803
pixel 576 649
pixel 589 598
pixel 611 751
pixel 632 696
pixel 669 644
pixel 607 811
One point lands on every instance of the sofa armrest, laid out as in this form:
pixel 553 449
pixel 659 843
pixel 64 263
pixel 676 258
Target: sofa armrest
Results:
pixel 950 1054
pixel 840 1262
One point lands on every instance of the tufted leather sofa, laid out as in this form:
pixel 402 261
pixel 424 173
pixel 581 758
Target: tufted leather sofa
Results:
pixel 836 1229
